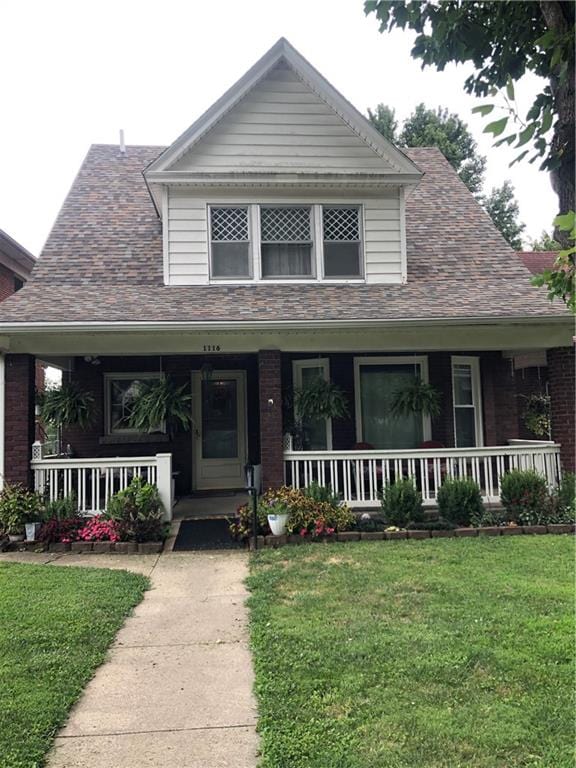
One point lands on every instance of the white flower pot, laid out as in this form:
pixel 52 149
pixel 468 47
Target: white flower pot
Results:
pixel 31 531
pixel 14 537
pixel 278 524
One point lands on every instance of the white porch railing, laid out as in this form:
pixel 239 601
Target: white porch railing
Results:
pixel 95 481
pixel 359 476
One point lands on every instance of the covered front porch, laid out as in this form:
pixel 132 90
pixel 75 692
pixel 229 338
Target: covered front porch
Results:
pixel 242 409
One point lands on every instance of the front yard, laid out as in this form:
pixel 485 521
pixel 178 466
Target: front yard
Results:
pixel 446 653
pixel 55 627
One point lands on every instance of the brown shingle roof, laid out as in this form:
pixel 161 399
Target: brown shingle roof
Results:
pixel 103 261
pixel 538 261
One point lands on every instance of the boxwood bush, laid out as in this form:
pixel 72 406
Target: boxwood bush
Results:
pixel 524 495
pixel 460 501
pixel 402 503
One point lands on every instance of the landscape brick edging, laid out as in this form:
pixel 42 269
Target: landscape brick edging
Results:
pixel 96 547
pixel 279 541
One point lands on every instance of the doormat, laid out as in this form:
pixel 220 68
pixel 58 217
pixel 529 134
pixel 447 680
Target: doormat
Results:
pixel 204 534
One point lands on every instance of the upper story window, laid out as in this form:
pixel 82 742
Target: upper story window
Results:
pixel 286 242
pixel 342 244
pixel 230 240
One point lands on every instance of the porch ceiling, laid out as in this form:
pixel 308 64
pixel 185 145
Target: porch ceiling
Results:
pixel 220 339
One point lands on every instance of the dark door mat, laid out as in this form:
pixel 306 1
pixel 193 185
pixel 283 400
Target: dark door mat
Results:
pixel 204 534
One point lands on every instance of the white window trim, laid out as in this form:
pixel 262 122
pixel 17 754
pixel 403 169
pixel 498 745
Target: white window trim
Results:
pixel 108 378
pixel 251 241
pixel 314 362
pixel 421 360
pixel 474 363
pixel 317 256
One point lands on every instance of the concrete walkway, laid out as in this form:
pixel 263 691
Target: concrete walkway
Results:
pixel 177 687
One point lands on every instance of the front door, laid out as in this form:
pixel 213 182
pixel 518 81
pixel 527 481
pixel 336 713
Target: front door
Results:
pixel 219 429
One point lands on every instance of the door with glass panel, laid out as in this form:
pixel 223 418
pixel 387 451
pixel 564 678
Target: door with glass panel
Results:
pixel 376 382
pixel 219 429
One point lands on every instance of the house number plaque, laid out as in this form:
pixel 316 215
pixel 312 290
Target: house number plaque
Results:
pixel 211 347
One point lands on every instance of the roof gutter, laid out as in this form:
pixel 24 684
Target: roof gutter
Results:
pixel 266 325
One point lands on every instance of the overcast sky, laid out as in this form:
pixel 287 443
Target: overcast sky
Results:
pixel 74 73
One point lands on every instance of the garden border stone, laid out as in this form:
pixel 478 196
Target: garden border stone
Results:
pixel 348 536
pixel 560 528
pixel 535 529
pixel 442 534
pixel 489 530
pixel 460 532
pixel 512 530
pixel 372 535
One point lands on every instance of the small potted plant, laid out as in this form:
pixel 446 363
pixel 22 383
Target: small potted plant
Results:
pixel 19 507
pixel 277 513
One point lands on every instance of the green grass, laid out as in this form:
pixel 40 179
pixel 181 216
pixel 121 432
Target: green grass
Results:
pixel 444 653
pixel 55 627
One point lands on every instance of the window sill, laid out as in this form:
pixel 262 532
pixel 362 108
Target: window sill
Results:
pixel 288 281
pixel 124 439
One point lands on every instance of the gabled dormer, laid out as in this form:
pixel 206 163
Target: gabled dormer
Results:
pixel 282 180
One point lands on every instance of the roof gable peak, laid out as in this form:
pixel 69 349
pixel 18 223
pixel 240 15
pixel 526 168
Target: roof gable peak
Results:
pixel 284 55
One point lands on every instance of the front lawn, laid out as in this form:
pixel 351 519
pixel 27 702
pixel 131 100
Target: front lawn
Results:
pixel 55 627
pixel 444 653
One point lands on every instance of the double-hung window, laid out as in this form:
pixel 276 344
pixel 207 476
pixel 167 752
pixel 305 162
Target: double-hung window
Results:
pixel 230 242
pixel 341 239
pixel 467 402
pixel 286 241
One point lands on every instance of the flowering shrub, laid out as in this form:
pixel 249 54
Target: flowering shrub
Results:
pixel 307 516
pixel 62 530
pixel 99 529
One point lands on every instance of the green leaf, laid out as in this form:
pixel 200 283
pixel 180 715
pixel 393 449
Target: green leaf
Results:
pixel 510 88
pixel 510 139
pixel 546 120
pixel 565 221
pixel 525 135
pixel 497 127
pixel 520 157
pixel 483 109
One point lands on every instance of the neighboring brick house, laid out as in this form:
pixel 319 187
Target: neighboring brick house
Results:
pixel 16 264
pixel 280 239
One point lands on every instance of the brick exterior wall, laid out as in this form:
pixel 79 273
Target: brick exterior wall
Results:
pixel 6 283
pixel 19 418
pixel 499 401
pixel 271 440
pixel 562 396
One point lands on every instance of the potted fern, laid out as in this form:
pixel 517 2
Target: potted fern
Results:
pixel 65 406
pixel 416 397
pixel 162 402
pixel 319 399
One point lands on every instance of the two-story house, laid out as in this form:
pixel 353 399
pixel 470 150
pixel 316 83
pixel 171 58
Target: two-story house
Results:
pixel 278 239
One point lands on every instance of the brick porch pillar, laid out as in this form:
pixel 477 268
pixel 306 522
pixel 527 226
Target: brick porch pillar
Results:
pixel 19 418
pixel 562 395
pixel 499 401
pixel 271 448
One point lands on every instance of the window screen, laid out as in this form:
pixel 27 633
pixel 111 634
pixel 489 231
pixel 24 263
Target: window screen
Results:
pixel 286 241
pixel 341 233
pixel 230 240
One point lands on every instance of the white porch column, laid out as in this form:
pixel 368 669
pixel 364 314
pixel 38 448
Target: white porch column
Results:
pixel 164 481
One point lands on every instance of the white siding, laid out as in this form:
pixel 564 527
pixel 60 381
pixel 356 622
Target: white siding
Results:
pixel 187 233
pixel 281 125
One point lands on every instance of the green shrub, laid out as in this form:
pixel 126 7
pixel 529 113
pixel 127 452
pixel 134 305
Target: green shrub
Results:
pixel 563 501
pixel 18 506
pixel 432 525
pixel 138 511
pixel 62 508
pixel 524 496
pixel 402 503
pixel 460 501
pixel 490 517
pixel 307 515
pixel 322 493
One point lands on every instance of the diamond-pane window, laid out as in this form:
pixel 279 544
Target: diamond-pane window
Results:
pixel 341 233
pixel 285 225
pixel 123 390
pixel 230 240
pixel 286 242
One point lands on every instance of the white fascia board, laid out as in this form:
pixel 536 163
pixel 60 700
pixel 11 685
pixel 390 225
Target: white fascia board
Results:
pixel 250 178
pixel 282 49
pixel 147 327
